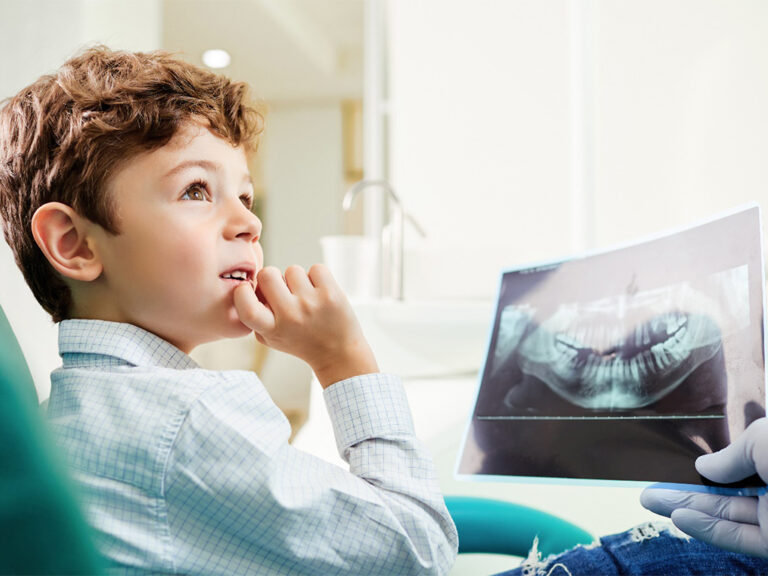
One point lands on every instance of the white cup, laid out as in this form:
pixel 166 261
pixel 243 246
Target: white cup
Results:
pixel 355 263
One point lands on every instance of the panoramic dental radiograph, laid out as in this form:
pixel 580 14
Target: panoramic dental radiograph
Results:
pixel 625 364
pixel 619 353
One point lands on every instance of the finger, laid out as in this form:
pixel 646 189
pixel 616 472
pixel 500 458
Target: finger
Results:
pixel 725 534
pixel 274 289
pixel 736 508
pixel 253 313
pixel 664 502
pixel 297 280
pixel 320 276
pixel 742 509
pixel 745 456
pixel 762 514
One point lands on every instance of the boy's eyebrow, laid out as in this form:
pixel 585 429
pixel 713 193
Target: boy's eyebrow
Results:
pixel 204 164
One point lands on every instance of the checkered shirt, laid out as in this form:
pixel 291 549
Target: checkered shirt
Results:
pixel 189 471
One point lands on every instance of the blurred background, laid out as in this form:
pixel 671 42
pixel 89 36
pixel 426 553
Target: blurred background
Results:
pixel 513 131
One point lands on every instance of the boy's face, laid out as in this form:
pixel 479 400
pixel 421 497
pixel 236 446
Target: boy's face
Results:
pixel 186 228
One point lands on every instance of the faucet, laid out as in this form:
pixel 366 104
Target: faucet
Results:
pixel 393 247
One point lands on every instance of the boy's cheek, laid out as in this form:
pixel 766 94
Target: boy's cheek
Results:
pixel 259 256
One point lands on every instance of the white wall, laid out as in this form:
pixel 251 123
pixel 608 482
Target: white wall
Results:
pixel 683 123
pixel 36 36
pixel 481 116
pixel 136 25
pixel 304 180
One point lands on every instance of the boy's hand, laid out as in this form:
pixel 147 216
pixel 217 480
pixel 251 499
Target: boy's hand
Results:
pixel 736 523
pixel 308 316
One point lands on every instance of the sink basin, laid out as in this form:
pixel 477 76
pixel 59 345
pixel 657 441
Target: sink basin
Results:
pixel 427 338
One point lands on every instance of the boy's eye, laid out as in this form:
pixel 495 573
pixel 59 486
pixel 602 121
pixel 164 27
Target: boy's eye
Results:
pixel 247 200
pixel 196 191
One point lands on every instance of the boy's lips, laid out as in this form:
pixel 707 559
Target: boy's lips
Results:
pixel 244 272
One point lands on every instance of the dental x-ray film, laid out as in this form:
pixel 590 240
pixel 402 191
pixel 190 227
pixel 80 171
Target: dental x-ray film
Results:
pixel 625 365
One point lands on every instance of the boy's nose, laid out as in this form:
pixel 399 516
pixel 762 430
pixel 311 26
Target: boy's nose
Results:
pixel 244 224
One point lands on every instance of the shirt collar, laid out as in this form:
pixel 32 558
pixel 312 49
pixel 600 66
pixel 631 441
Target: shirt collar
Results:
pixel 126 342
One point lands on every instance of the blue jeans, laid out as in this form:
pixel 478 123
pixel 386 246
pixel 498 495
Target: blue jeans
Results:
pixel 653 548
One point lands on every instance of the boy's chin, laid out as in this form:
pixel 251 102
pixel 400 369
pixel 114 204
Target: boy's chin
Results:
pixel 235 328
pixel 231 327
pixel 241 330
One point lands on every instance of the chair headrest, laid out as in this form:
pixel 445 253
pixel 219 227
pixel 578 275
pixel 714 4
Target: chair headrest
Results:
pixel 12 362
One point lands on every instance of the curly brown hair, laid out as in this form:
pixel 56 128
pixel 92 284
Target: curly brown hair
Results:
pixel 62 137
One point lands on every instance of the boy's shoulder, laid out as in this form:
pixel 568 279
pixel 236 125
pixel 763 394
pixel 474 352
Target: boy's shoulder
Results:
pixel 128 356
pixel 124 395
pixel 131 344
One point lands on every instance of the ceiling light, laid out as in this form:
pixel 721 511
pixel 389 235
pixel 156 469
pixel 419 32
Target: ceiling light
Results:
pixel 216 58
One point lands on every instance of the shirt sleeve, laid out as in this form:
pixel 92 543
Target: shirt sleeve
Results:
pixel 240 499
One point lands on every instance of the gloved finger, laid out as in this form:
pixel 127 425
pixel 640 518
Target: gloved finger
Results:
pixel 663 501
pixel 725 534
pixel 736 508
pixel 742 509
pixel 745 456
pixel 762 514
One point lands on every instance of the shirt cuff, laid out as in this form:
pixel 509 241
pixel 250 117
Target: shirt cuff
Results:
pixel 366 407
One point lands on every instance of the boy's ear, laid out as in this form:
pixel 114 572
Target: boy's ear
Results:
pixel 62 235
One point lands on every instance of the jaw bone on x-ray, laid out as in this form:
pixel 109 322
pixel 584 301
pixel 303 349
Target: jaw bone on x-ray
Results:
pixel 624 352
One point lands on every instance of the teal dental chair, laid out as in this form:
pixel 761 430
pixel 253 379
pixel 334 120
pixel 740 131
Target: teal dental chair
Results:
pixel 497 527
pixel 44 531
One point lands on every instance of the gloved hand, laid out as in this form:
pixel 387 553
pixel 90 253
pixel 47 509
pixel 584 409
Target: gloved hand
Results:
pixel 736 523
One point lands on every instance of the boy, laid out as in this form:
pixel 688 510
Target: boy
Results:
pixel 125 196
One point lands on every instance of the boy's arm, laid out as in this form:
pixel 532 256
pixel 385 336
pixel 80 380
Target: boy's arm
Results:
pixel 241 499
pixel 375 436
pixel 309 316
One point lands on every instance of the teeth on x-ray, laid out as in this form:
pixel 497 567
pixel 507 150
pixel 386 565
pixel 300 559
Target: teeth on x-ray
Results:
pixel 595 365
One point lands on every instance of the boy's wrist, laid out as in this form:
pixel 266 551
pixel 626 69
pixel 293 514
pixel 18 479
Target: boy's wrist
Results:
pixel 356 361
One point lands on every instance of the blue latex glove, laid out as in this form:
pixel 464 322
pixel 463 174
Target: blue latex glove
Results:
pixel 736 523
